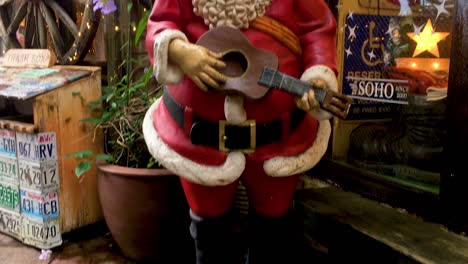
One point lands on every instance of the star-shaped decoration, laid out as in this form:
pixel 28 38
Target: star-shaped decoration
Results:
pixel 350 15
pixel 427 40
pixel 371 55
pixel 352 32
pixel 390 29
pixel 348 52
pixel 417 29
pixel 441 9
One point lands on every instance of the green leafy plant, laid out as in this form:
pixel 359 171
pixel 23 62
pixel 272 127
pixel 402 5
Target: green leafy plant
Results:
pixel 121 109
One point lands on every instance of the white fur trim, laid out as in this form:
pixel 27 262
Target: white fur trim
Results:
pixel 327 75
pixel 165 72
pixel 224 174
pixel 234 109
pixel 286 166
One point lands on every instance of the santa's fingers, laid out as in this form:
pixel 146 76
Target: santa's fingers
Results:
pixel 215 54
pixel 205 78
pixel 318 83
pixel 216 63
pixel 216 75
pixel 199 83
pixel 312 101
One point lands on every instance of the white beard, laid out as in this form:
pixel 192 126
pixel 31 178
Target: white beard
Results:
pixel 234 13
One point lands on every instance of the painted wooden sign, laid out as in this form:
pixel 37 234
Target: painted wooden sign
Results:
pixel 25 83
pixel 29 58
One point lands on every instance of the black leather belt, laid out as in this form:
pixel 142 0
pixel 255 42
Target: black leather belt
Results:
pixel 227 137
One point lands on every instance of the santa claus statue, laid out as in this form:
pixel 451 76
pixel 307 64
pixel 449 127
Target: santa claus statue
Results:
pixel 270 141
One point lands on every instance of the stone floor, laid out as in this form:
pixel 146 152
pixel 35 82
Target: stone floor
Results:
pixel 93 246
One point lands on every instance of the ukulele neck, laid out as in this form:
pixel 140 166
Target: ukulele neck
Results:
pixel 277 80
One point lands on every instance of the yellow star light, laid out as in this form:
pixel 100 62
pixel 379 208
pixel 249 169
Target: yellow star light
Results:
pixel 427 40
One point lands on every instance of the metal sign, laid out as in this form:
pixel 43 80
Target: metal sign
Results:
pixel 7 143
pixel 8 170
pixel 42 234
pixel 38 176
pixel 369 47
pixel 37 147
pixel 9 196
pixel 10 223
pixel 38 204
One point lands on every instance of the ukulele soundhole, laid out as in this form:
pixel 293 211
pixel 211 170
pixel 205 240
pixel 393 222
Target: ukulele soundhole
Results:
pixel 236 64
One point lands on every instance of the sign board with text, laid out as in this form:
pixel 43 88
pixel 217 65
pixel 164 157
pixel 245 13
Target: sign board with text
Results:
pixel 10 223
pixel 44 234
pixel 36 147
pixel 368 49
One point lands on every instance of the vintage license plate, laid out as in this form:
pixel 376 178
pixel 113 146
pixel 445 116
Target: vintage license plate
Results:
pixel 41 234
pixel 7 143
pixel 8 170
pixel 9 196
pixel 38 175
pixel 37 147
pixel 10 223
pixel 38 204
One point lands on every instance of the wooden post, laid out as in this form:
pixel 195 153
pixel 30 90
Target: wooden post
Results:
pixel 454 186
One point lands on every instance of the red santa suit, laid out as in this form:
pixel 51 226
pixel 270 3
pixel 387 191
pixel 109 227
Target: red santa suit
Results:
pixel 269 173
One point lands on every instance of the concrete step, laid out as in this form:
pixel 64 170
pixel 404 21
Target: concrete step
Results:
pixel 347 227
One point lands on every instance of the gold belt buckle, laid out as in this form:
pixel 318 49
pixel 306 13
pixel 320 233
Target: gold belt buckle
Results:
pixel 223 138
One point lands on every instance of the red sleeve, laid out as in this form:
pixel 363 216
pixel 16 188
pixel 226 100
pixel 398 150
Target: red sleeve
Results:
pixel 166 14
pixel 317 32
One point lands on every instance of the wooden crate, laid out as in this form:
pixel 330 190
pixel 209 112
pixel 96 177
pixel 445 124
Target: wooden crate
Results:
pixel 60 111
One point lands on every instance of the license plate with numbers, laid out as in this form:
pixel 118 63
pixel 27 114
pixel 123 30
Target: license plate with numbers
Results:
pixel 42 234
pixel 38 204
pixel 9 196
pixel 39 147
pixel 10 223
pixel 38 176
pixel 7 143
pixel 8 170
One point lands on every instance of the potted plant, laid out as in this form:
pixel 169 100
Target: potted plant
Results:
pixel 143 204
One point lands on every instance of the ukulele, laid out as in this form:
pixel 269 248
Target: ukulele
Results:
pixel 251 71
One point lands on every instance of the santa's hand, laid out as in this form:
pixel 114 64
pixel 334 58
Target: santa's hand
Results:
pixel 198 63
pixel 308 102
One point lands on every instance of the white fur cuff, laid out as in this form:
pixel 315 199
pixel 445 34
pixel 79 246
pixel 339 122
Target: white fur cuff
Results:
pixel 286 166
pixel 224 174
pixel 327 75
pixel 165 72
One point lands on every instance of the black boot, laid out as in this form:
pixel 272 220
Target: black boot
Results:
pixel 414 143
pixel 273 240
pixel 216 239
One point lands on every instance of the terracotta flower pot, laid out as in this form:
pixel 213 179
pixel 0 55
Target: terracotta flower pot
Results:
pixel 146 213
